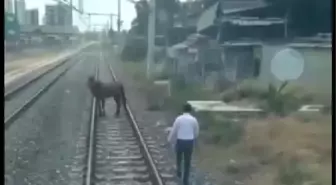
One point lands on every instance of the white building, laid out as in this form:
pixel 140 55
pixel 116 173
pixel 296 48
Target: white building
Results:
pixel 21 11
pixel 32 17
pixel 9 6
pixel 51 17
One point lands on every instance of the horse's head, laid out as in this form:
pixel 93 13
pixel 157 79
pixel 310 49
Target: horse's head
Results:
pixel 91 80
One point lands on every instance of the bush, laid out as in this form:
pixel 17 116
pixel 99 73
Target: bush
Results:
pixel 282 102
pixel 327 109
pixel 230 95
pixel 291 173
pixel 206 119
pixel 181 93
pixel 162 76
pixel 179 82
pixel 220 131
pixel 135 50
pixel 247 89
pixel 251 89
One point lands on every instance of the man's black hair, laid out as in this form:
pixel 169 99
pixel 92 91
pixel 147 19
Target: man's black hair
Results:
pixel 187 107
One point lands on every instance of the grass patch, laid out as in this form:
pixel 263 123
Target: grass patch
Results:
pixel 272 151
pixel 292 173
pixel 146 86
pixel 299 150
pixel 136 69
pixel 180 96
pixel 215 129
pixel 282 100
pixel 247 89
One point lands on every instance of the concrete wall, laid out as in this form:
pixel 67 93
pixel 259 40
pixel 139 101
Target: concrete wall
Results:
pixel 316 76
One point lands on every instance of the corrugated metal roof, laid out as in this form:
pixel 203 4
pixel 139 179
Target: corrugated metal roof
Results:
pixel 311 45
pixel 247 21
pixel 241 43
pixel 208 17
pixel 232 6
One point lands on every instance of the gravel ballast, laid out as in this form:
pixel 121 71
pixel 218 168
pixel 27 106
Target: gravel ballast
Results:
pixel 41 144
pixel 154 122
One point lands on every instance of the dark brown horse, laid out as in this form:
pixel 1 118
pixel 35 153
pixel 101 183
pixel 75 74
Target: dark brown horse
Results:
pixel 102 91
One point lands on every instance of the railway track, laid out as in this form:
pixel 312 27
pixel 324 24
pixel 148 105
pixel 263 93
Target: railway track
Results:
pixel 23 96
pixel 117 152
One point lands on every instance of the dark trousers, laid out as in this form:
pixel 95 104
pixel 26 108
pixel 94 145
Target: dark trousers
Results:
pixel 184 148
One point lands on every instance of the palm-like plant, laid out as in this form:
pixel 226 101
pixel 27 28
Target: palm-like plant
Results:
pixel 280 102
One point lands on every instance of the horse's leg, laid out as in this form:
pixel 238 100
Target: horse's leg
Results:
pixel 99 107
pixel 117 100
pixel 103 106
pixel 123 98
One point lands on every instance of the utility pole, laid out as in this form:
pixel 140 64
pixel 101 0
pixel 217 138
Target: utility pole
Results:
pixel 119 18
pixel 71 5
pixel 16 15
pixel 89 22
pixel 111 21
pixel 151 36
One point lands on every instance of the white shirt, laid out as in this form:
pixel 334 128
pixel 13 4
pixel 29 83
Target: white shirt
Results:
pixel 185 127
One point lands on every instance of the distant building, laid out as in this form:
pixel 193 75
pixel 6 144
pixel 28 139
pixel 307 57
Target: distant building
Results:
pixel 51 15
pixel 44 20
pixel 64 15
pixel 59 14
pixel 32 17
pixel 20 9
pixel 9 6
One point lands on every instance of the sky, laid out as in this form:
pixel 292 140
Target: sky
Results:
pixel 95 6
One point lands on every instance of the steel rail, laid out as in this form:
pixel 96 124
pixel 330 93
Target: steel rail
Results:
pixel 153 169
pixel 156 178
pixel 16 114
pixel 90 166
pixel 11 93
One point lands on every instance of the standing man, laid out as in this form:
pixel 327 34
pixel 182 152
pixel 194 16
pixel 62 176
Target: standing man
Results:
pixel 185 131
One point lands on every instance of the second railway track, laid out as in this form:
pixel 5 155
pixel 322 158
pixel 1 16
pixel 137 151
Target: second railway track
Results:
pixel 23 96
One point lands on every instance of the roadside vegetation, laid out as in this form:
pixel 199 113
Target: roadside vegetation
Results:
pixel 281 147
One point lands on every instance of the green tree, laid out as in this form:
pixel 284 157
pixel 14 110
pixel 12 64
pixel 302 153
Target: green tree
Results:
pixel 170 8
pixel 140 23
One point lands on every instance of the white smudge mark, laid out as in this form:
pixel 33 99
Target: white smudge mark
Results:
pixel 238 183
pixel 158 124
pixel 232 161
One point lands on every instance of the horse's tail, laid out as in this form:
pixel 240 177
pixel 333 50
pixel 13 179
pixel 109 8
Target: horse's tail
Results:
pixel 123 96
